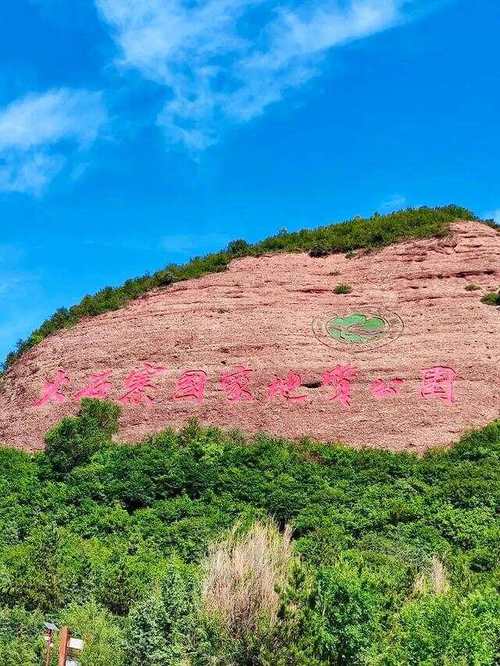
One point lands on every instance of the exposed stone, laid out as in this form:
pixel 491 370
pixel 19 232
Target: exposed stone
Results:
pixel 259 314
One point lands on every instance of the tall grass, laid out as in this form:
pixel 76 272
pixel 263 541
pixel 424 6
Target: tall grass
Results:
pixel 243 576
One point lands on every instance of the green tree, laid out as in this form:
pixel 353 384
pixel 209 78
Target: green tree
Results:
pixel 162 626
pixel 75 439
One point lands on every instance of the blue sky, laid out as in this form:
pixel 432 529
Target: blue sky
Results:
pixel 134 133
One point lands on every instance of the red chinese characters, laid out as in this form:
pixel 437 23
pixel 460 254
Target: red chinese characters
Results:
pixel 52 391
pixel 340 378
pixel 284 386
pixel 98 386
pixel 191 385
pixel 235 384
pixel 437 382
pixel 138 385
pixel 381 389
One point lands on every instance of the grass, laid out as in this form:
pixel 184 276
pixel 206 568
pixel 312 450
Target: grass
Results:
pixel 346 237
pixel 342 289
pixel 493 298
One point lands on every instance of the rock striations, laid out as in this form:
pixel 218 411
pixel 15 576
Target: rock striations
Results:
pixel 409 359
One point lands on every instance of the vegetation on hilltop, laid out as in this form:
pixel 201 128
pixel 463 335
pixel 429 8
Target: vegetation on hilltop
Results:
pixel 201 547
pixel 358 233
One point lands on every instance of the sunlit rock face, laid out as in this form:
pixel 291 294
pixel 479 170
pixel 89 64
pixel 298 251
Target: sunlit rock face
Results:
pixel 409 359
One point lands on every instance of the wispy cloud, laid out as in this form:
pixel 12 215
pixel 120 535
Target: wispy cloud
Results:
pixel 40 132
pixel 218 69
pixel 189 244
pixel 395 202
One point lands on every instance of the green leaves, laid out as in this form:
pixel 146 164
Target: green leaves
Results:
pixel 75 439
pixel 110 537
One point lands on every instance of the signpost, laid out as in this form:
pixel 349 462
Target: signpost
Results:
pixel 69 647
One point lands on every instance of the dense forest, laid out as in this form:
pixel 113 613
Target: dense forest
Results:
pixel 203 547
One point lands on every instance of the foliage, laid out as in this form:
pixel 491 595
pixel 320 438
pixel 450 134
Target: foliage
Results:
pixel 102 633
pixel 493 298
pixel 374 232
pixel 342 288
pixel 75 439
pixel 392 561
pixel 160 625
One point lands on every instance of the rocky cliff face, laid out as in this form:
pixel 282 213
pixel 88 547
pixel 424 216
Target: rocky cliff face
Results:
pixel 408 360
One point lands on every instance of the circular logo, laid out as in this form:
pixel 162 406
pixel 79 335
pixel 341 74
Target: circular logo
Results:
pixel 358 331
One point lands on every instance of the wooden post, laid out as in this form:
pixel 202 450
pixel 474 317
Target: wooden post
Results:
pixel 64 637
pixel 48 654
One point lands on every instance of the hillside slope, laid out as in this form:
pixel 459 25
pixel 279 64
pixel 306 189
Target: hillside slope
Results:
pixel 415 367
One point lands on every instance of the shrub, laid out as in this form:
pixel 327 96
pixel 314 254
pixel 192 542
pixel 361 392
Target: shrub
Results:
pixel 493 298
pixel 21 639
pixel 433 579
pixel 319 250
pixel 75 439
pixel 238 248
pixel 103 636
pixel 342 289
pixel 161 624
pixel 472 287
pixel 175 550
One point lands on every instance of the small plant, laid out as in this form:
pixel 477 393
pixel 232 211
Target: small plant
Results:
pixel 319 250
pixel 164 278
pixel 342 289
pixel 238 248
pixel 350 255
pixel 493 298
pixel 472 287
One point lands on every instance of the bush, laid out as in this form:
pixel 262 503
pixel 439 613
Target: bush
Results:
pixel 319 250
pixel 493 298
pixel 176 550
pixel 243 576
pixel 161 624
pixel 103 636
pixel 238 248
pixel 342 289
pixel 75 439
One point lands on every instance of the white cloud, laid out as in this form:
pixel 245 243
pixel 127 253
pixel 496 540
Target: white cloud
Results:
pixel 39 132
pixel 217 69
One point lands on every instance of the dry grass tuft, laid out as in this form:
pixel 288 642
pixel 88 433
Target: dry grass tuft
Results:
pixel 242 575
pixel 434 580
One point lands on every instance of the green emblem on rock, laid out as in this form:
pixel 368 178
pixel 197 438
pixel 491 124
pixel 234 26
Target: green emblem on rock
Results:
pixel 358 330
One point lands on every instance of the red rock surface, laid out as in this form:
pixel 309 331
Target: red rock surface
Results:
pixel 259 314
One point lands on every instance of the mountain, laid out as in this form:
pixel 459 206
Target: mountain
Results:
pixel 387 347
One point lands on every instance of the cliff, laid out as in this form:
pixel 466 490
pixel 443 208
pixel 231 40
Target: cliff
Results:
pixel 407 360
